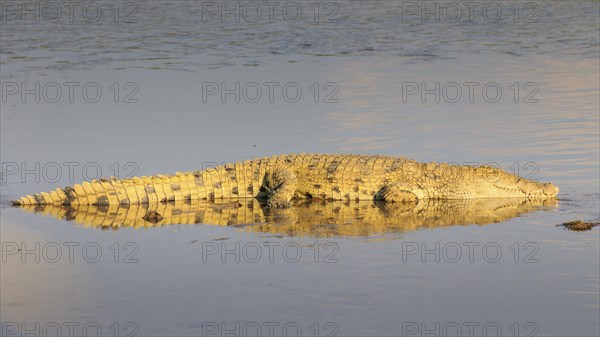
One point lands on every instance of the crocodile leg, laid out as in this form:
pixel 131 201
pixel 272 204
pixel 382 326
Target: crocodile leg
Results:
pixel 399 192
pixel 280 185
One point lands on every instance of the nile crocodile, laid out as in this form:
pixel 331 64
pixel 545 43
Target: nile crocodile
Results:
pixel 323 176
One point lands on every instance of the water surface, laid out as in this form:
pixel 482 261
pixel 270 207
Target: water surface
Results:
pixel 363 269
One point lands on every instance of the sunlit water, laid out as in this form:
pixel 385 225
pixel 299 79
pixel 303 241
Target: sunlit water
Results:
pixel 361 271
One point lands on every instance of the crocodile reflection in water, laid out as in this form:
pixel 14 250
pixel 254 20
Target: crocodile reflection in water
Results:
pixel 305 218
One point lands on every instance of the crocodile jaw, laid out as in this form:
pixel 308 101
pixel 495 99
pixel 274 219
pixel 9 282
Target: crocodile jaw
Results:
pixel 537 190
pixel 521 188
pixel 490 182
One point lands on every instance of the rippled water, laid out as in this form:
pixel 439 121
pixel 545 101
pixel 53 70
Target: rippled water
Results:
pixel 186 35
pixel 361 271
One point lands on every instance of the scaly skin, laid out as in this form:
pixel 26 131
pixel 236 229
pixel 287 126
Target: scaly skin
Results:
pixel 322 176
pixel 307 217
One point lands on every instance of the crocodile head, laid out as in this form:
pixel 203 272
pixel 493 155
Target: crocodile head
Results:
pixel 492 182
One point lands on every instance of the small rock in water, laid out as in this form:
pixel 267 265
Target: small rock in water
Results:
pixel 579 225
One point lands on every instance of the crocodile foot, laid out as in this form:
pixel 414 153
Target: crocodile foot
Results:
pixel 278 203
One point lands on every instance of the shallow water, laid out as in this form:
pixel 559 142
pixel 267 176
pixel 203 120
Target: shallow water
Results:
pixel 327 269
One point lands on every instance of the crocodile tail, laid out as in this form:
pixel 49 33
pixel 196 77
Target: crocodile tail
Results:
pixel 137 190
pixel 56 197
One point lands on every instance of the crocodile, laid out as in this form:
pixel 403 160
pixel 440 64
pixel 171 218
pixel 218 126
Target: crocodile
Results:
pixel 322 176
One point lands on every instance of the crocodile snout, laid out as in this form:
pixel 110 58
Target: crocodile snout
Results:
pixel 550 190
pixel 537 190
